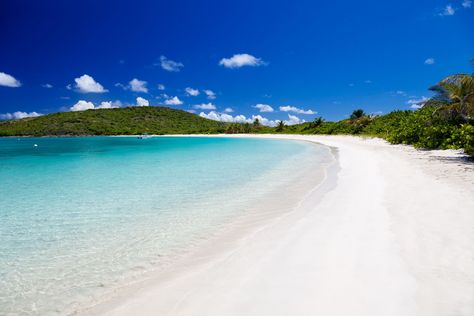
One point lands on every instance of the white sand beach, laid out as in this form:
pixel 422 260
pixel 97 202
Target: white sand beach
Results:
pixel 390 232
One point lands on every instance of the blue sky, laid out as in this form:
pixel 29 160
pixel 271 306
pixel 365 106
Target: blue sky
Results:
pixel 299 58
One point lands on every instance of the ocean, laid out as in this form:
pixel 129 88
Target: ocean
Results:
pixel 82 216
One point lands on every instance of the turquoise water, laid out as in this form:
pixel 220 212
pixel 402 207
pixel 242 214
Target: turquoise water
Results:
pixel 79 216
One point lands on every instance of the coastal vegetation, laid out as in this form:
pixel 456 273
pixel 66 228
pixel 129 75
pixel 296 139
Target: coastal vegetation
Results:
pixel 445 121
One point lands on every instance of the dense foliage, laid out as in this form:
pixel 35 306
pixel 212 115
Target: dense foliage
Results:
pixel 445 121
pixel 121 121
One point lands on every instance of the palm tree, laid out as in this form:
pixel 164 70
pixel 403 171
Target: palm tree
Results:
pixel 256 123
pixel 357 114
pixel 458 92
pixel 280 126
pixel 318 121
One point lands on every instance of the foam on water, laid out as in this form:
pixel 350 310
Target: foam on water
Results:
pixel 80 216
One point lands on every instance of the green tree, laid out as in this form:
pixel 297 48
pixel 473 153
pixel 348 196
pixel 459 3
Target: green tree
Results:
pixel 256 123
pixel 357 114
pixel 457 92
pixel 280 126
pixel 318 121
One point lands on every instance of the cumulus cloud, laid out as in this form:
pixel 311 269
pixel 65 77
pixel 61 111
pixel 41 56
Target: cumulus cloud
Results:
pixel 223 117
pixel 264 107
pixel 228 110
pixel 294 109
pixel 429 61
pixel 7 80
pixel 142 102
pixel 109 105
pixel 210 94
pixel 161 87
pixel 47 86
pixel 18 115
pixel 173 101
pixel 241 60
pixel 170 65
pixel 467 4
pixel 293 120
pixel 191 92
pixel 87 84
pixel 205 106
pixel 417 103
pixel 82 105
pixel 138 85
pixel 263 120
pixel 448 10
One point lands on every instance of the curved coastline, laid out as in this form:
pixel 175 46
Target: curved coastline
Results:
pixel 276 207
pixel 382 240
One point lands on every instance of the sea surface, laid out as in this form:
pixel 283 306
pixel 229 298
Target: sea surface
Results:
pixel 82 216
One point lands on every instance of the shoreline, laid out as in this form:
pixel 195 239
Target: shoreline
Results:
pixel 392 236
pixel 268 207
pixel 227 238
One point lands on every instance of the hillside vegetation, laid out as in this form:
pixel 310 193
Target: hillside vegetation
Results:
pixel 120 121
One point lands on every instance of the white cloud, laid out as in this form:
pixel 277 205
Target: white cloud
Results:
pixel 47 86
pixel 205 106
pixel 228 110
pixel 429 61
pixel 142 102
pixel 368 81
pixel 210 94
pixel 293 120
pixel 191 92
pixel 241 60
pixel 87 84
pixel 138 85
pixel 170 65
pixel 69 87
pixel 18 115
pixel 222 117
pixel 109 105
pixel 448 10
pixel 467 3
pixel 7 80
pixel 161 87
pixel 294 109
pixel 82 105
pixel 173 101
pixel 263 120
pixel 264 107
pixel 400 92
pixel 417 103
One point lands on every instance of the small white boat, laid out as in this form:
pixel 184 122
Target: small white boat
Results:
pixel 144 136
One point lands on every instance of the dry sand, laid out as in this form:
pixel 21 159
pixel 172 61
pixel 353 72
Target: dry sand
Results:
pixel 390 232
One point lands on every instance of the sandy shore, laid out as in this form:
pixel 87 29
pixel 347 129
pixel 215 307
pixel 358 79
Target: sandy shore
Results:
pixel 390 232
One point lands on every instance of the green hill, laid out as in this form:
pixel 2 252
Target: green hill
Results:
pixel 120 121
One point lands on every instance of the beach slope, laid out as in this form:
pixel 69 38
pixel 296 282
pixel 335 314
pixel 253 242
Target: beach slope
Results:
pixel 390 232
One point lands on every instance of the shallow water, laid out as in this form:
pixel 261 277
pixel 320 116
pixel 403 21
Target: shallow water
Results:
pixel 79 216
